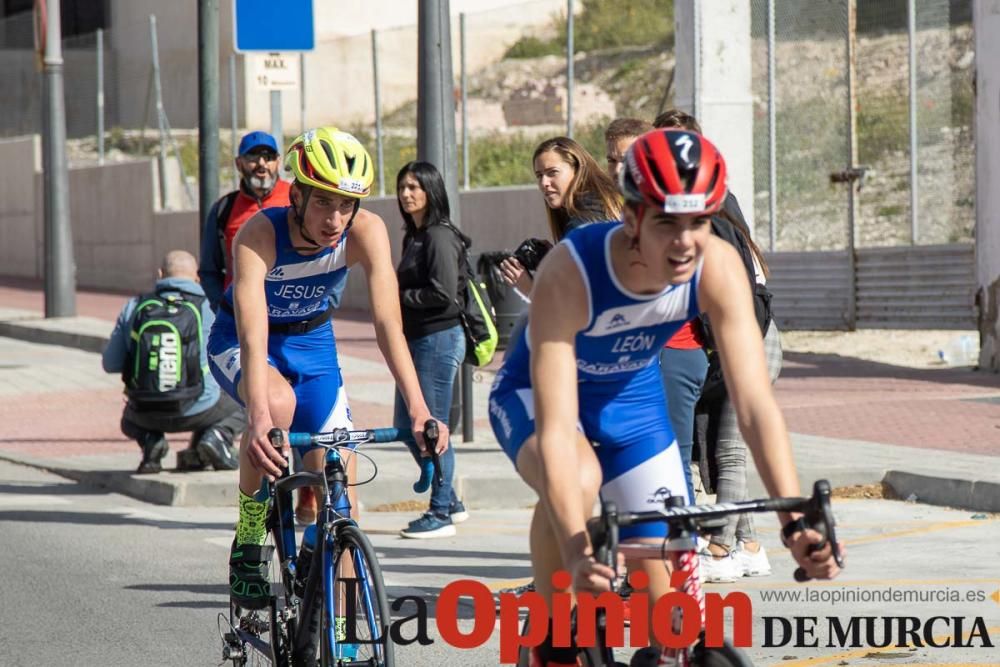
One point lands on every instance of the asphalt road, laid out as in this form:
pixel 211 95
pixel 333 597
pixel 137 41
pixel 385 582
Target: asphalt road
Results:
pixel 101 579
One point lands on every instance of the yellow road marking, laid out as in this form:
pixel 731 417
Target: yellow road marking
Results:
pixel 495 586
pixel 942 525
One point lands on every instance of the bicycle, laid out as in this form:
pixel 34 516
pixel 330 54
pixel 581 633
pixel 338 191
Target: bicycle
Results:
pixel 343 613
pixel 680 548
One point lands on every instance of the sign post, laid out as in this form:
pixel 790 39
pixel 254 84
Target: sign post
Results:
pixel 272 31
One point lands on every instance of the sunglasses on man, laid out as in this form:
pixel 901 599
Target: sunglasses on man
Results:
pixel 254 156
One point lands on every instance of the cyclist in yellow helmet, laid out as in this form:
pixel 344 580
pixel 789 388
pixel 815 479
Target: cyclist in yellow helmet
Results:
pixel 272 347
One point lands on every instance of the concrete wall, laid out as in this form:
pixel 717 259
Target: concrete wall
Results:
pixel 111 211
pixel 496 219
pixel 986 17
pixel 20 207
pixel 119 236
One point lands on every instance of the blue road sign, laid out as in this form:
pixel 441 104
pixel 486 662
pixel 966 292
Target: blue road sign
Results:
pixel 270 25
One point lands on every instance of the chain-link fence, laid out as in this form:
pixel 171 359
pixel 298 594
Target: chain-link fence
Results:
pixel 803 118
pixel 515 94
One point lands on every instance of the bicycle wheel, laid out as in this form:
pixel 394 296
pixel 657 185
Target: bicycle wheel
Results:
pixel 718 656
pixel 358 602
pixel 255 638
pixel 587 657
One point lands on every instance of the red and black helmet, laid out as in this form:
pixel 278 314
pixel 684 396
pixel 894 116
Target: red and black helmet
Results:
pixel 675 171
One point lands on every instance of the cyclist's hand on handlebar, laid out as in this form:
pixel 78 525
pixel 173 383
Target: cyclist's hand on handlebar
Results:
pixel 590 576
pixel 261 453
pixel 418 431
pixel 818 564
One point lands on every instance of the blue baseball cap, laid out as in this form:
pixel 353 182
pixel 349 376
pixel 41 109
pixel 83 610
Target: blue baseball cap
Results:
pixel 257 138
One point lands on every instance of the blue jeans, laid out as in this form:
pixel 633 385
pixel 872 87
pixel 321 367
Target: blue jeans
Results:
pixel 436 358
pixel 683 373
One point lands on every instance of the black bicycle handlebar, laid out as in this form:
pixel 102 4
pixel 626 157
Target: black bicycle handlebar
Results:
pixel 817 514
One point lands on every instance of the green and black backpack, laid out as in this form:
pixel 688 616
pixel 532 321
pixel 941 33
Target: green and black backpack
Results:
pixel 162 370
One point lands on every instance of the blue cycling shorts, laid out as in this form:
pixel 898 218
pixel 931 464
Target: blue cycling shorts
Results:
pixel 630 431
pixel 308 361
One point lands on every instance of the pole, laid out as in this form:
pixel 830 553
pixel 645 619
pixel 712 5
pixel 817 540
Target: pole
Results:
pixel 161 159
pixel 911 16
pixel 772 135
pixel 852 157
pixel 60 266
pixel 465 104
pixel 569 68
pixel 378 116
pixel 208 105
pixel 302 93
pixel 436 131
pixel 696 59
pixel 100 96
pixel 232 117
pixel 276 130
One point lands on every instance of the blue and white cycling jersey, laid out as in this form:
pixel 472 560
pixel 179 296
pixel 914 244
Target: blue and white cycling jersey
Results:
pixel 622 406
pixel 297 288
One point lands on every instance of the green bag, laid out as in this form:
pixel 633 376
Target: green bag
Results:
pixel 475 310
pixel 479 321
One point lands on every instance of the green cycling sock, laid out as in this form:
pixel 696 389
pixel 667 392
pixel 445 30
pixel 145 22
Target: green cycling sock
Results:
pixel 251 528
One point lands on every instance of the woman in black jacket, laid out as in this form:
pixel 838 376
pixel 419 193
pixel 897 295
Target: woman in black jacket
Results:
pixel 431 282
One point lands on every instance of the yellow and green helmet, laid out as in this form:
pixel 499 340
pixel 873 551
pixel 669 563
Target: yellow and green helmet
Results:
pixel 331 160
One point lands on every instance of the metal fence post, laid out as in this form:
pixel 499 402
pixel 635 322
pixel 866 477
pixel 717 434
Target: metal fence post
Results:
pixel 302 92
pixel 232 118
pixel 911 16
pixel 100 96
pixel 465 104
pixel 276 130
pixel 569 68
pixel 772 136
pixel 852 158
pixel 161 160
pixel 378 115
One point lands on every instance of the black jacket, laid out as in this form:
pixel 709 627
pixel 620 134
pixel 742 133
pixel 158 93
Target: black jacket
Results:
pixel 431 278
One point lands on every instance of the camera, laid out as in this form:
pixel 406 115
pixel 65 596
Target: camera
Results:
pixel 530 253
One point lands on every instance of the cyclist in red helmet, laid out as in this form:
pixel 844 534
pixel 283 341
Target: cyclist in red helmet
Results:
pixel 604 302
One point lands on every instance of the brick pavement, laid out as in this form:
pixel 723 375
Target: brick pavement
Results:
pixel 823 395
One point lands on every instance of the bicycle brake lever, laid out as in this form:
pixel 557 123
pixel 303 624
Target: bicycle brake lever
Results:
pixel 820 518
pixel 431 435
pixel 430 468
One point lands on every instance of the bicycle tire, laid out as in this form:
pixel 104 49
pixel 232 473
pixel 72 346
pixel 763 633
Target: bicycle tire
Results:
pixel 718 656
pixel 370 602
pixel 587 657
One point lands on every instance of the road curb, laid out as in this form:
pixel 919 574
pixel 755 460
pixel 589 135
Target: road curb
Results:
pixel 33 332
pixel 978 496
pixel 218 489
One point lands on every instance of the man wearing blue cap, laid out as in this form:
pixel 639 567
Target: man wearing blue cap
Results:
pixel 260 188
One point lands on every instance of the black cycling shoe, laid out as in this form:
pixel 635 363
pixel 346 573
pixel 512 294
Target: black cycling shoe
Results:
pixel 154 448
pixel 189 460
pixel 248 584
pixel 214 447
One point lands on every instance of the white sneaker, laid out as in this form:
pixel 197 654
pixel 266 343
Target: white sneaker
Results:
pixel 750 563
pixel 719 570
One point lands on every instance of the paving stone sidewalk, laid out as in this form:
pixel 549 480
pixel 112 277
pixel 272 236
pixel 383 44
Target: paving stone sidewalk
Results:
pixel 933 433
